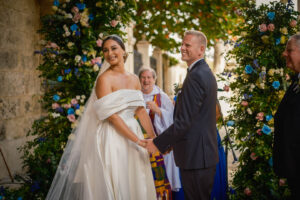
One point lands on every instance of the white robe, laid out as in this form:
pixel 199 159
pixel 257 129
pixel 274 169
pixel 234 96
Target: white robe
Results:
pixel 161 124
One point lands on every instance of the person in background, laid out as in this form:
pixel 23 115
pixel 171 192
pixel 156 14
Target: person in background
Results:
pixel 220 182
pixel 160 109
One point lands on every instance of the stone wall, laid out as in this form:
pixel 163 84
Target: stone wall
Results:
pixel 20 87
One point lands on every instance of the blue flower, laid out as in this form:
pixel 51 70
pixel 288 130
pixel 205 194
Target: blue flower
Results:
pixel 35 186
pixel 67 71
pixel 255 62
pixel 248 69
pixel 266 129
pixel 77 33
pixel 80 6
pixel 262 74
pixel 271 161
pixel 76 71
pixel 59 109
pixel 277 41
pixel 84 58
pixel 276 84
pixel 230 123
pixel 56 97
pixel 269 117
pixel 74 27
pixel 56 3
pixel 91 17
pixel 77 106
pixel 41 139
pixel 71 111
pixel 271 15
pixel 1 197
pixel 232 191
pixel 247 96
pixel 19 198
pixel 59 78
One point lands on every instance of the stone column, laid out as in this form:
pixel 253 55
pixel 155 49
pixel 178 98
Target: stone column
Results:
pixel 157 54
pixel 129 45
pixel 168 87
pixel 143 48
pixel 219 61
pixel 20 86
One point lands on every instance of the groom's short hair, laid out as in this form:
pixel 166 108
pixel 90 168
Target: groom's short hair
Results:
pixel 296 39
pixel 200 35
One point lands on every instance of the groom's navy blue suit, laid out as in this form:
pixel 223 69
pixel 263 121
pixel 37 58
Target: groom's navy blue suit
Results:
pixel 193 134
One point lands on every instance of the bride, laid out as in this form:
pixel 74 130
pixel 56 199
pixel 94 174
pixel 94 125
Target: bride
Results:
pixel 106 159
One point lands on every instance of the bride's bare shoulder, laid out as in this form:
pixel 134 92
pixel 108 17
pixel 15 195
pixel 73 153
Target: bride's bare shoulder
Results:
pixel 135 79
pixel 103 84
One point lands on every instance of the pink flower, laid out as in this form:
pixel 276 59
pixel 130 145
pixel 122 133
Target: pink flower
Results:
pixel 253 156
pixel 271 27
pixel 260 116
pixel 66 106
pixel 99 43
pixel 52 45
pixel 76 17
pixel 258 131
pixel 55 105
pixel 281 182
pixel 293 23
pixel 71 118
pixel 226 88
pixel 262 28
pixel 247 191
pixel 244 103
pixel 114 23
pixel 48 160
pixel 74 101
pixel 74 10
pixel 287 77
pixel 96 60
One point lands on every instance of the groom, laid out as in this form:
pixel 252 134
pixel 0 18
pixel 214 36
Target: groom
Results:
pixel 193 134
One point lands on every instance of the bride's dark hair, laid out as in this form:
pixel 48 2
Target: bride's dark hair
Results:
pixel 119 41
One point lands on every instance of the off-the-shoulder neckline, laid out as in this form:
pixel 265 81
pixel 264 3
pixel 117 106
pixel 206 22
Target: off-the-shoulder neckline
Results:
pixel 133 90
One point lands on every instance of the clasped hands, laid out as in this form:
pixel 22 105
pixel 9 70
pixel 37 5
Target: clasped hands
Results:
pixel 149 145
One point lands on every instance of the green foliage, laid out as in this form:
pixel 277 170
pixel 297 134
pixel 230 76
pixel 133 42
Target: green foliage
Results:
pixel 160 20
pixel 256 96
pixel 71 61
pixel 172 61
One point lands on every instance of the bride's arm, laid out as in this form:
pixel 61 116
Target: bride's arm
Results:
pixel 143 116
pixel 103 88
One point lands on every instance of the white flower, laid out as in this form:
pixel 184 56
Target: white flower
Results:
pixel 121 4
pixel 96 68
pixel 281 71
pixel 70 44
pixel 81 108
pixel 83 96
pixel 54 8
pixel 78 97
pixel 77 58
pixel 67 33
pixel 262 85
pixel 67 1
pixel 55 115
pixel 69 16
pixel 263 68
pixel 72 136
pixel 81 100
pixel 271 72
pixel 78 112
pixel 100 35
pixel 65 28
pixel 249 111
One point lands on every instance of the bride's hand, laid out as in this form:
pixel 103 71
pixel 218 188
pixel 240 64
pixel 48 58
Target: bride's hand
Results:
pixel 142 143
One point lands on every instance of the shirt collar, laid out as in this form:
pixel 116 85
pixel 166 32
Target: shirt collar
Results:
pixel 192 65
pixel 153 92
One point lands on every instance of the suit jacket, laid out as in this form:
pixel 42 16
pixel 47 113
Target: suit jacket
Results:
pixel 193 134
pixel 286 148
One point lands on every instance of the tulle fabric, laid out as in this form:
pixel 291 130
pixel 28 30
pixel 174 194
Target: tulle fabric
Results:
pixel 84 171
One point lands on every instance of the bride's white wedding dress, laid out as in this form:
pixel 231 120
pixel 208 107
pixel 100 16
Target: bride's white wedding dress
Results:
pixel 101 163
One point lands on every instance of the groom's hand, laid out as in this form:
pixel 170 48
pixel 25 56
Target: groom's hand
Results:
pixel 150 146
